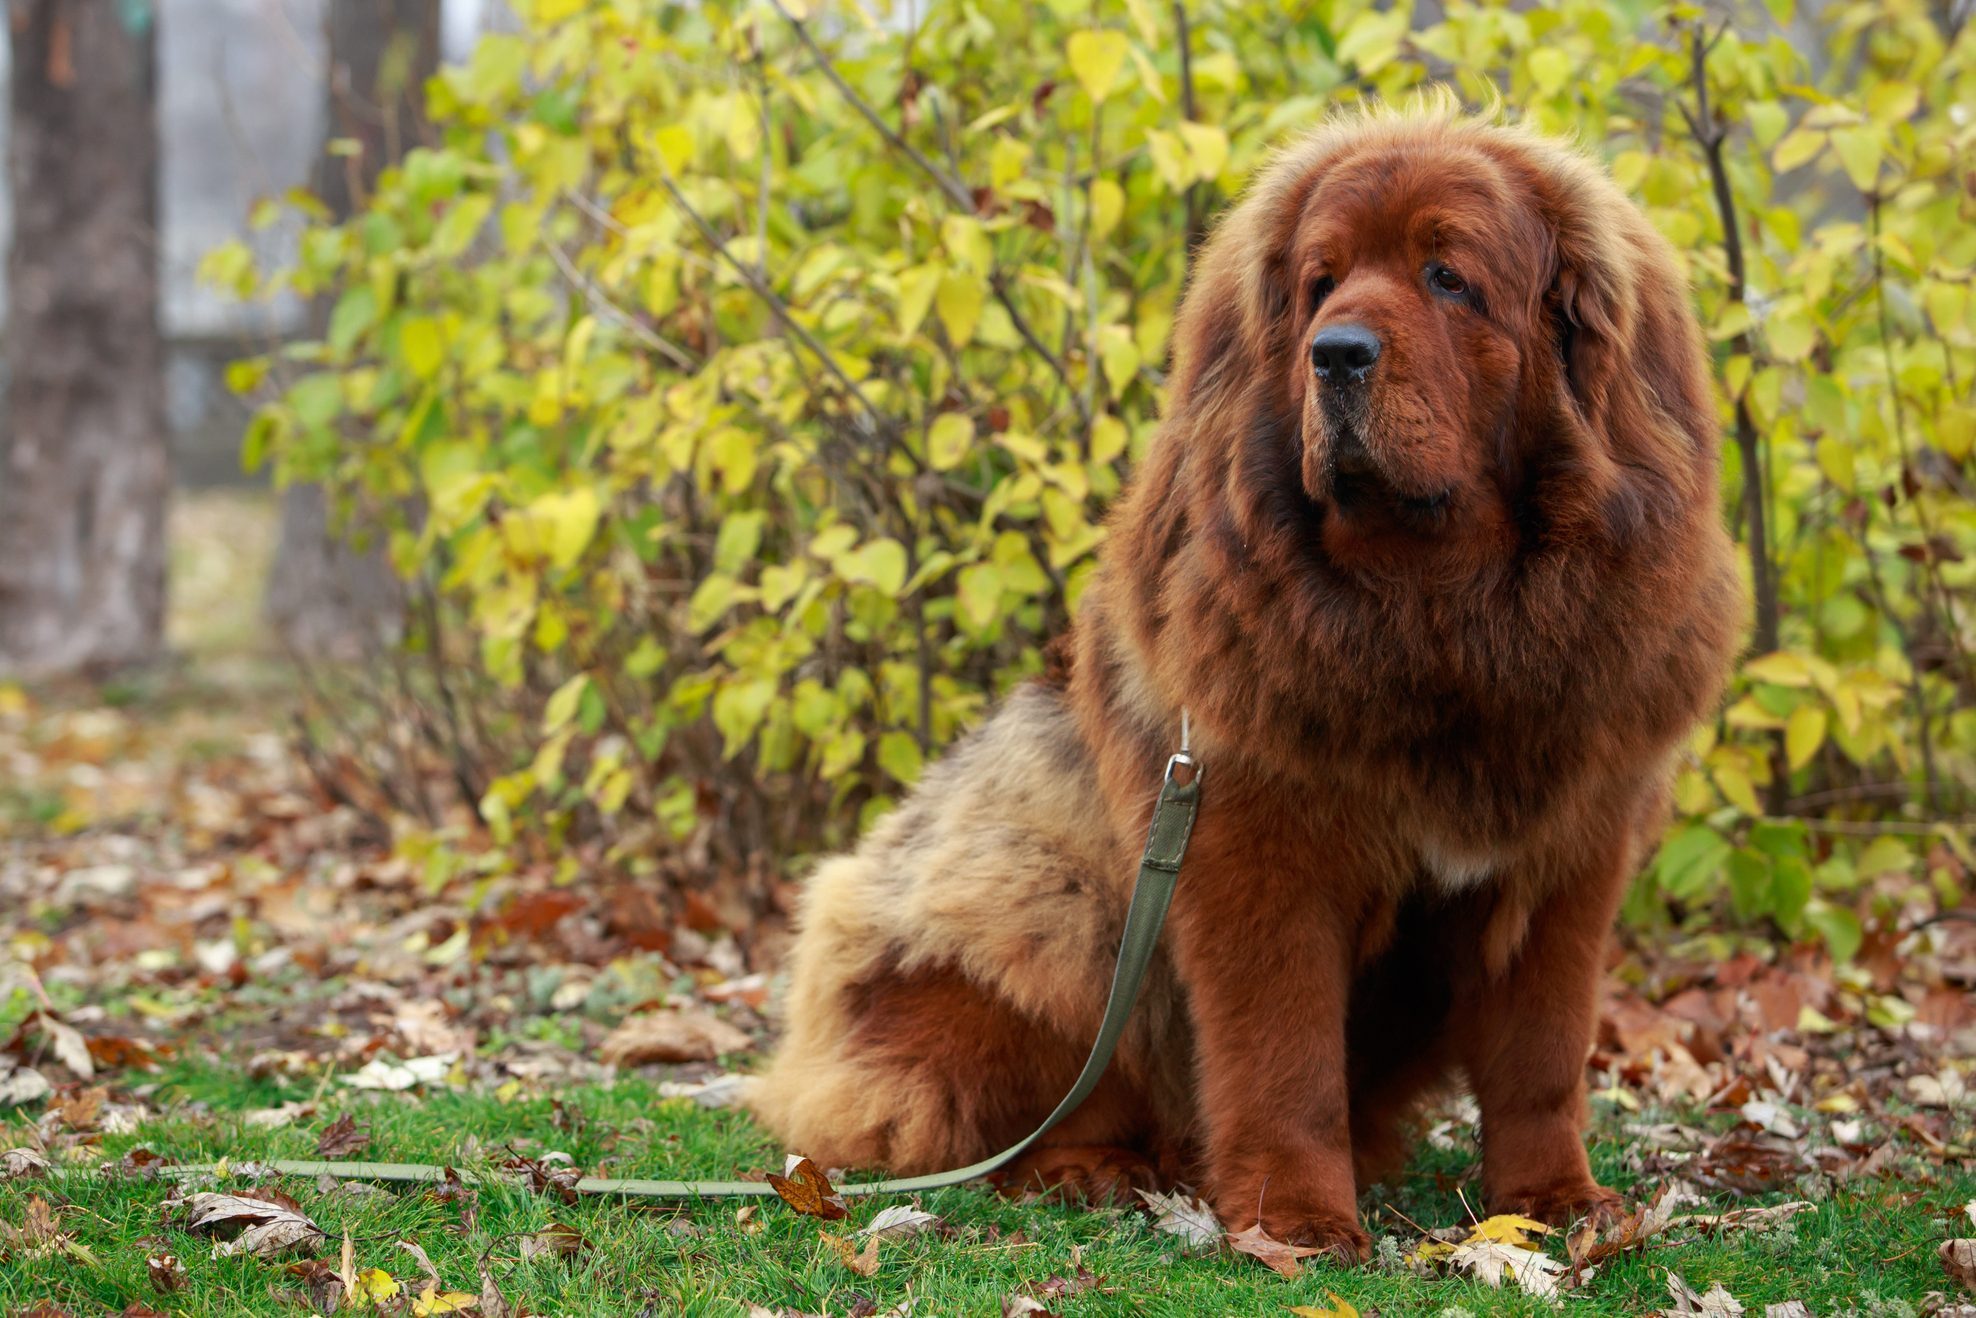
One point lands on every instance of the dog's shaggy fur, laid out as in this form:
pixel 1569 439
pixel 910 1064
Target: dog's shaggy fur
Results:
pixel 1440 631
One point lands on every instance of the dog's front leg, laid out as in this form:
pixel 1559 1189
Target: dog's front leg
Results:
pixel 1529 1026
pixel 1267 961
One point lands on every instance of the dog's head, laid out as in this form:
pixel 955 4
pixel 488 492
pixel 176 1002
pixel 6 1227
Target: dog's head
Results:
pixel 1469 330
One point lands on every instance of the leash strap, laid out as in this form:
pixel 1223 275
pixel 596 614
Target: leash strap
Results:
pixel 1159 871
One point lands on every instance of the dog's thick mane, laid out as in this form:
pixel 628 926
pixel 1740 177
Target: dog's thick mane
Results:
pixel 1502 664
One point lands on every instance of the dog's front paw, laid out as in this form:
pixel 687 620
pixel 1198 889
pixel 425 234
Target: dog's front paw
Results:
pixel 1562 1205
pixel 1340 1239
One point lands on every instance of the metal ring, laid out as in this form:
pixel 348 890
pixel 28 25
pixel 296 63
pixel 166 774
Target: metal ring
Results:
pixel 1193 768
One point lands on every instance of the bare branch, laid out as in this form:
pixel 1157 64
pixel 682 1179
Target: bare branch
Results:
pixel 956 192
pixel 760 288
pixel 602 305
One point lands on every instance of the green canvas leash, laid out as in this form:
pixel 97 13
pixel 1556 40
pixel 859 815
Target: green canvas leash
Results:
pixel 1159 871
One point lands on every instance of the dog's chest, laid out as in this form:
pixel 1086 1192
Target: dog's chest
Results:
pixel 1453 867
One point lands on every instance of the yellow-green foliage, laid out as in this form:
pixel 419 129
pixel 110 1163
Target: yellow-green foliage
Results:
pixel 751 380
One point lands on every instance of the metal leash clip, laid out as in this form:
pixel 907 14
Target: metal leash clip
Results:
pixel 1181 767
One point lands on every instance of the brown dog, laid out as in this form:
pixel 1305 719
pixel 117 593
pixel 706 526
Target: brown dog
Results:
pixel 1429 546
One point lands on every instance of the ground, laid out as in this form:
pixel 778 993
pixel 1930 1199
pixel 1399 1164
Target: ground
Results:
pixel 208 959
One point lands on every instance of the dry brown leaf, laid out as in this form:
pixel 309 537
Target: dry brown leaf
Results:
pixel 1278 1256
pixel 342 1137
pixel 1493 1261
pixel 268 1223
pixel 1959 1261
pixel 1019 1305
pixel 68 1045
pixel 805 1188
pixel 1788 1309
pixel 863 1262
pixel 557 1240
pixel 1717 1303
pixel 166 1272
pixel 898 1222
pixel 1178 1215
pixel 672 1036
pixel 22 1164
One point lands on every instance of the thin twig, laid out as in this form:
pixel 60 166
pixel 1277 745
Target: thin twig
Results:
pixel 602 305
pixel 760 288
pixel 956 192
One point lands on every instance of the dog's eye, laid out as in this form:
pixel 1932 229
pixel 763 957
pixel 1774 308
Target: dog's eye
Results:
pixel 1321 289
pixel 1445 279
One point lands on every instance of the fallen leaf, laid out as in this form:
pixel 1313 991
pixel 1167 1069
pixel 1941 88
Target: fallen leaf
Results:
pixel 805 1188
pixel 1959 1261
pixel 265 1226
pixel 863 1262
pixel 424 1262
pixel 1788 1309
pixel 166 1272
pixel 1179 1215
pixel 409 1074
pixel 899 1221
pixel 545 1176
pixel 1508 1229
pixel 1019 1305
pixel 431 1300
pixel 671 1036
pixel 375 1284
pixel 68 1045
pixel 1338 1308
pixel 342 1137
pixel 1717 1303
pixel 1278 1256
pixel 557 1240
pixel 1492 1262
pixel 22 1164
pixel 721 1091
pixel 493 1304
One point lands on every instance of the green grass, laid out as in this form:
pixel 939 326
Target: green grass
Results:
pixel 1870 1239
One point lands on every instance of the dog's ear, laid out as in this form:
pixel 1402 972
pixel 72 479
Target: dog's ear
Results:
pixel 1241 297
pixel 1593 304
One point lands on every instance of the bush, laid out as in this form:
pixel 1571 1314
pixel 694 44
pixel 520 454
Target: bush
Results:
pixel 746 385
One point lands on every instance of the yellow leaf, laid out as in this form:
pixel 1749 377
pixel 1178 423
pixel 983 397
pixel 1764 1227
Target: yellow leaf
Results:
pixel 1549 69
pixel 1782 668
pixel 1339 1308
pixel 376 1284
pixel 1107 438
pixel 1373 40
pixel 421 346
pixel 948 440
pixel 917 285
pixel 1208 146
pixel 1142 18
pixel 571 520
pixel 1736 788
pixel 1095 58
pixel 1107 204
pixel 959 300
pixel 674 144
pixel 1798 147
pixel 1120 355
pixel 1804 734
pixel 1508 1229
pixel 1859 149
pixel 880 563
pixel 563 704
pixel 429 1302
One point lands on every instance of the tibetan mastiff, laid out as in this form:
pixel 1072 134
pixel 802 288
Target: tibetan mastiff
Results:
pixel 1429 546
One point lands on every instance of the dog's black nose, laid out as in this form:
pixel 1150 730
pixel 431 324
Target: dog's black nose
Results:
pixel 1343 352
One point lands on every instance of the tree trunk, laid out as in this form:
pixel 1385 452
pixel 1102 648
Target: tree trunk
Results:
pixel 325 597
pixel 85 462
